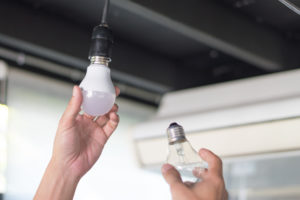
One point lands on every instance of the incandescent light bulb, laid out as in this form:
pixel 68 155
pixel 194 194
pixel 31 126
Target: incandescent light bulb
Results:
pixel 181 154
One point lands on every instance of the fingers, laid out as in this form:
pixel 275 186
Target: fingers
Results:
pixel 214 162
pixel 117 91
pixel 73 107
pixel 102 120
pixel 111 124
pixel 115 108
pixel 199 172
pixel 170 174
pixel 88 116
pixel 189 184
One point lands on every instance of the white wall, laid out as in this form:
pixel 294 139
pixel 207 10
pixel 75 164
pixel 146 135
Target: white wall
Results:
pixel 35 105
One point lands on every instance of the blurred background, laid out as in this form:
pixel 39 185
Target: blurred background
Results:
pixel 227 70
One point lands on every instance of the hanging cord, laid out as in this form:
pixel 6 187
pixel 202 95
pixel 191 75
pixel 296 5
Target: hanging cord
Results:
pixel 291 6
pixel 105 12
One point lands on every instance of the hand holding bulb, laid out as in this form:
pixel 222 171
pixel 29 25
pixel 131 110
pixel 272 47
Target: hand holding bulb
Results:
pixel 79 139
pixel 211 187
pixel 79 142
pixel 184 163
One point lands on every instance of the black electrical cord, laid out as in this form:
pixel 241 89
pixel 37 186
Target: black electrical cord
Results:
pixel 102 37
pixel 105 12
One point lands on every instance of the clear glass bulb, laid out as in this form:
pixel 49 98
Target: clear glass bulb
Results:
pixel 98 90
pixel 182 155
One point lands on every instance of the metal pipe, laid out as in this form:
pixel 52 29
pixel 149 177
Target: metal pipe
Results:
pixel 74 74
pixel 291 6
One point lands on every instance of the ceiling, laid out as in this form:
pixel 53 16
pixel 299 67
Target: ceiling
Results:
pixel 160 46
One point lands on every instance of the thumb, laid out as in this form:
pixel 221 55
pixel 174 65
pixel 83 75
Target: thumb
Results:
pixel 73 107
pixel 170 174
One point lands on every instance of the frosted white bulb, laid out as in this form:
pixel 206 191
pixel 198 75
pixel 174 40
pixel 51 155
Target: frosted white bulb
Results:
pixel 98 90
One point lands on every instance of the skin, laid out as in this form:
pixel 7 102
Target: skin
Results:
pixel 212 186
pixel 79 142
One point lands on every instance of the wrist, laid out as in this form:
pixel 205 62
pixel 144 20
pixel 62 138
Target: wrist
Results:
pixel 61 171
pixel 57 184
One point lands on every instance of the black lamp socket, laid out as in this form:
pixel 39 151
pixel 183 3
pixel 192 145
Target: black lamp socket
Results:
pixel 102 42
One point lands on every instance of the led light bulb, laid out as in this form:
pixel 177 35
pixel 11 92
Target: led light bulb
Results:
pixel 97 88
pixel 181 154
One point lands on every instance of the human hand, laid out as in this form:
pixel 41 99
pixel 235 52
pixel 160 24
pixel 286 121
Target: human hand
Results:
pixel 211 187
pixel 78 144
pixel 80 139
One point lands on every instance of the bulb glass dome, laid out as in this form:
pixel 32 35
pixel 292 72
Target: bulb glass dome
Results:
pixel 97 90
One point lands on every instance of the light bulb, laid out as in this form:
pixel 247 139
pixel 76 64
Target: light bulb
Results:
pixel 97 88
pixel 182 155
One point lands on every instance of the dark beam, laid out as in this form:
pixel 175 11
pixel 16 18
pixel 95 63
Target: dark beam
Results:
pixel 3 83
pixel 218 27
pixel 49 36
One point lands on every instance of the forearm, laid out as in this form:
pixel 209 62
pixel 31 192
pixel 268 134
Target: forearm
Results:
pixel 56 184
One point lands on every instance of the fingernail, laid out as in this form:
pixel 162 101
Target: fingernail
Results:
pixel 74 91
pixel 166 168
